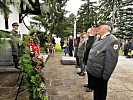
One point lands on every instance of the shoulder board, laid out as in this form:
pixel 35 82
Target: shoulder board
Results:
pixel 114 37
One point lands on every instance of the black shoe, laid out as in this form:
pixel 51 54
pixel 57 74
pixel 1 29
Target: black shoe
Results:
pixel 78 72
pixel 88 90
pixel 81 74
pixel 85 85
pixel 77 66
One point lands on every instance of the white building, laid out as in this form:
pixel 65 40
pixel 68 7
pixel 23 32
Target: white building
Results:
pixel 13 17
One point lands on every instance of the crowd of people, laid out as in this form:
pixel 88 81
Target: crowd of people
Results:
pixel 49 46
pixel 68 49
pixel 97 53
pixel 127 47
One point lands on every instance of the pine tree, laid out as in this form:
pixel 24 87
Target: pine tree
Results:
pixel 87 16
pixel 124 20
pixel 53 18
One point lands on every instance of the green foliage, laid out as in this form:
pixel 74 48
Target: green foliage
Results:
pixel 124 20
pixel 3 42
pixel 34 78
pixel 121 53
pixel 53 19
pixel 58 48
pixel 87 16
pixel 4 6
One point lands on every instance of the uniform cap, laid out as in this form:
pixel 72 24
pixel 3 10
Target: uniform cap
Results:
pixel 15 24
pixel 105 23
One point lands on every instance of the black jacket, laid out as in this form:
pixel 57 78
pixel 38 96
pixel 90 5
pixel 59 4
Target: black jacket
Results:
pixel 89 44
pixel 71 44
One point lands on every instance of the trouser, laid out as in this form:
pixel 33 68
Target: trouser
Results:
pixel 125 52
pixel 70 53
pixel 100 88
pixel 77 60
pixel 81 64
pixel 15 60
pixel 90 81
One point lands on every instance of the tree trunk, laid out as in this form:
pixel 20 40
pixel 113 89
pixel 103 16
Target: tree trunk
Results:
pixel 114 10
pixel 6 21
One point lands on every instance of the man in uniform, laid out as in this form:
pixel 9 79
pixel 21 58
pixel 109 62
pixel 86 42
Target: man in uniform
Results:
pixel 102 60
pixel 91 39
pixel 15 49
pixel 76 50
pixel 80 53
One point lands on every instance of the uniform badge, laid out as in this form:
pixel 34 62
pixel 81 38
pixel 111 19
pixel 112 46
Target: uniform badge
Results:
pixel 115 46
pixel 97 53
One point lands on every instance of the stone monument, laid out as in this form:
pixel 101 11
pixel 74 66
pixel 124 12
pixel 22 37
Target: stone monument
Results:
pixel 6 59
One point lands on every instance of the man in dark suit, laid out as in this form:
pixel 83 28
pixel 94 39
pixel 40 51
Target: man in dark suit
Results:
pixel 102 60
pixel 71 46
pixel 76 50
pixel 92 37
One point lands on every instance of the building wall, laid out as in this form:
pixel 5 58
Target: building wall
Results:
pixel 13 17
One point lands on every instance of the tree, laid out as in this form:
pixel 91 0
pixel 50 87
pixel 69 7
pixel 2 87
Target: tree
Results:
pixel 52 18
pixel 87 16
pixel 25 7
pixel 124 20
pixel 5 9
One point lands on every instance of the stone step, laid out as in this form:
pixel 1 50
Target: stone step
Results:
pixel 9 69
pixel 6 64
pixel 68 60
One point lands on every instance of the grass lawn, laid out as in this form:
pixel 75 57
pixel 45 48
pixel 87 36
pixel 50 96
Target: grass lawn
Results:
pixel 58 48
pixel 121 53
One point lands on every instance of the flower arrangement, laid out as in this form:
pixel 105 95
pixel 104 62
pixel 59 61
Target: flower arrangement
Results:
pixel 32 69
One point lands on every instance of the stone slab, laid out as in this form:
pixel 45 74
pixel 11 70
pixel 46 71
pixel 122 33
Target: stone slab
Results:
pixel 6 59
pixel 68 60
pixel 9 69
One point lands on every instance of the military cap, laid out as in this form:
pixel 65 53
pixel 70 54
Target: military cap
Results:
pixel 105 23
pixel 15 24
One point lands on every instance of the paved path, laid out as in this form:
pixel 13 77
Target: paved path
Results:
pixel 65 84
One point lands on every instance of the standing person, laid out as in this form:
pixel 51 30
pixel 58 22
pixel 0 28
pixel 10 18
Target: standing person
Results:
pixel 62 43
pixel 34 36
pixel 102 60
pixel 53 42
pixel 71 46
pixel 45 39
pixel 92 37
pixel 76 50
pixel 126 46
pixel 131 47
pixel 53 46
pixel 81 49
pixel 16 50
pixel 35 47
pixel 66 51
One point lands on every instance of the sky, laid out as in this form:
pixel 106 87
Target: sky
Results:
pixel 73 6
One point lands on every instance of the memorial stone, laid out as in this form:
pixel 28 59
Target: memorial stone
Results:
pixel 68 60
pixel 6 59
